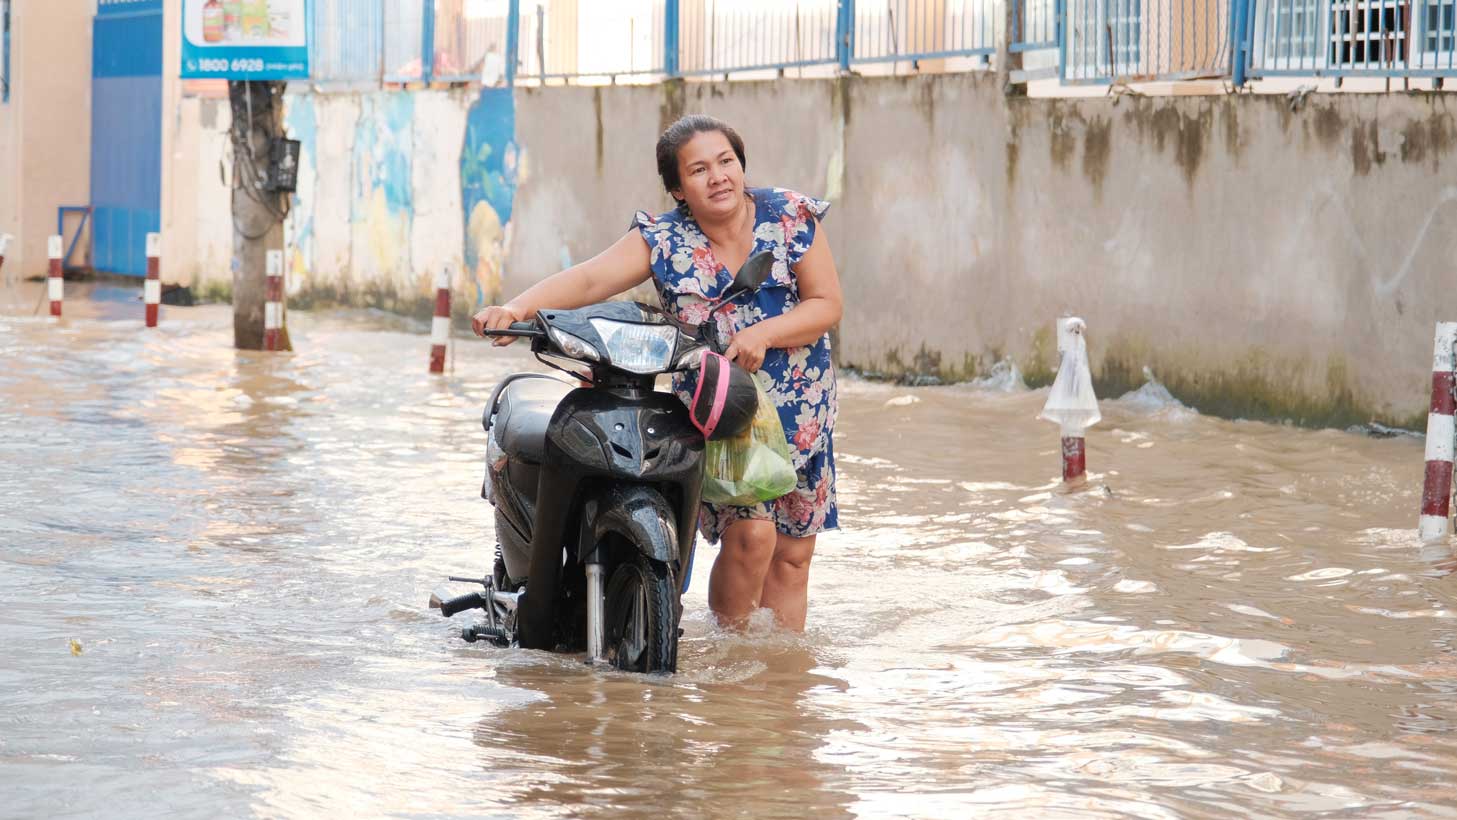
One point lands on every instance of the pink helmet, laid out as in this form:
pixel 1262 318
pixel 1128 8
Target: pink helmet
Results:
pixel 726 399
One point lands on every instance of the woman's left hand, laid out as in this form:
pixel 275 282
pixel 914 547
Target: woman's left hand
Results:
pixel 748 347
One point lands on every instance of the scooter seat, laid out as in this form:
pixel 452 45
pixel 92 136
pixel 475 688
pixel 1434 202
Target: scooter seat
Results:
pixel 523 413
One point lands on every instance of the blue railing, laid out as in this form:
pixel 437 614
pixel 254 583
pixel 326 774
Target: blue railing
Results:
pixel 348 42
pixel 1352 38
pixel 624 38
pixel 470 40
pixel 1077 41
pixel 4 51
pixel 405 55
pixel 904 30
pixel 1109 41
pixel 724 36
pixel 1035 25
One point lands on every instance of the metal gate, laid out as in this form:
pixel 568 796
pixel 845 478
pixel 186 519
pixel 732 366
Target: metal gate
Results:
pixel 126 133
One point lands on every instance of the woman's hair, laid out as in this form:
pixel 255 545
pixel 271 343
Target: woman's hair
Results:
pixel 679 133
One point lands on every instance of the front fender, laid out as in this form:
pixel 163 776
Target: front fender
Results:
pixel 638 513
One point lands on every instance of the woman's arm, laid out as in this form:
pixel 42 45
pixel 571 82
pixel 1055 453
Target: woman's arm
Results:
pixel 819 309
pixel 624 265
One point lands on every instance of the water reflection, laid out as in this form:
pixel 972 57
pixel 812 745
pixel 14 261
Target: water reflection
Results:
pixel 601 742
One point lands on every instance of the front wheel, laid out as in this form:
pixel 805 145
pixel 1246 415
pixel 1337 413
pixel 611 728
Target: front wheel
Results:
pixel 640 614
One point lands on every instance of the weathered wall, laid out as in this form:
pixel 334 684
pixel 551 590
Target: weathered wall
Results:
pixel 10 191
pixel 45 146
pixel 1261 261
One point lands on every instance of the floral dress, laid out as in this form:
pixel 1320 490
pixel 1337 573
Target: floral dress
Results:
pixel 799 380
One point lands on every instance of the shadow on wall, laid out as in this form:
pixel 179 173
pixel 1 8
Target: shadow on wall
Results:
pixel 489 168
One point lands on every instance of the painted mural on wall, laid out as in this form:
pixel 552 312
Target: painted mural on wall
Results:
pixel 489 166
pixel 301 121
pixel 381 206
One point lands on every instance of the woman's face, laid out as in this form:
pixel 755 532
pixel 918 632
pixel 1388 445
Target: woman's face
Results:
pixel 712 178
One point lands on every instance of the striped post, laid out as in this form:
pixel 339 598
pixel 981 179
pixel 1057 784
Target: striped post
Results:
pixel 273 301
pixel 1071 403
pixel 1437 486
pixel 152 289
pixel 440 325
pixel 1074 457
pixel 1074 445
pixel 54 249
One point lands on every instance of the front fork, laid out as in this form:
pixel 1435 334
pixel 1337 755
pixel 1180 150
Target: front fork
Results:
pixel 596 629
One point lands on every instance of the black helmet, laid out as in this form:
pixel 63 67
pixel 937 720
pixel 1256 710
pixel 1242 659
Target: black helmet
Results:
pixel 726 399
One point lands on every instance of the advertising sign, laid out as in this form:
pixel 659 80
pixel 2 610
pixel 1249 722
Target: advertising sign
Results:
pixel 245 39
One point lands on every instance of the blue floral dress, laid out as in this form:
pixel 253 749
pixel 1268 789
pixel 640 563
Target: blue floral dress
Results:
pixel 800 380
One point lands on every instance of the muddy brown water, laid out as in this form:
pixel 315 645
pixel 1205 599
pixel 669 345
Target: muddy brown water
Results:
pixel 1230 617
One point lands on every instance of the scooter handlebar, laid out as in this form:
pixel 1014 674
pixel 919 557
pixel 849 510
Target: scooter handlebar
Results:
pixel 516 329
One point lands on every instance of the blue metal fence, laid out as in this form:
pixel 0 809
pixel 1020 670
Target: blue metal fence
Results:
pixel 1352 38
pixel 567 40
pixel 723 36
pixel 1078 41
pixel 1035 25
pixel 404 36
pixel 4 51
pixel 925 30
pixel 470 40
pixel 1139 40
pixel 348 42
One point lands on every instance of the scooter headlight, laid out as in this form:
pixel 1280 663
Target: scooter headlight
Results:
pixel 637 348
pixel 575 346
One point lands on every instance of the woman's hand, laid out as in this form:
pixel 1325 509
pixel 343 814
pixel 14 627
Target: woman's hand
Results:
pixel 748 347
pixel 497 317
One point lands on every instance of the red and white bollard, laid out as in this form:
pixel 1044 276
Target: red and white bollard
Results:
pixel 1071 403
pixel 54 282
pixel 1074 455
pixel 440 325
pixel 1437 486
pixel 273 301
pixel 152 288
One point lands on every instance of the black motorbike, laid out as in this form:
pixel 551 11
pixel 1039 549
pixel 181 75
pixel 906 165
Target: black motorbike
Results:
pixel 596 489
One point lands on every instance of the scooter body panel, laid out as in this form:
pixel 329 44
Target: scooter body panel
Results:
pixel 614 460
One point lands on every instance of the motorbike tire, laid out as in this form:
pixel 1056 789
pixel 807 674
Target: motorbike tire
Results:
pixel 640 611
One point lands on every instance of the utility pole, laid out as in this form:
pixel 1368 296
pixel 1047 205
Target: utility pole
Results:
pixel 259 209
pixel 1009 57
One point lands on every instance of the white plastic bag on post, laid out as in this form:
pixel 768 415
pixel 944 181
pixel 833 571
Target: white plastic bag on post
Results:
pixel 1071 403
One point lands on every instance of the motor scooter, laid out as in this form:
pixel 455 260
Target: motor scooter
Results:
pixel 596 489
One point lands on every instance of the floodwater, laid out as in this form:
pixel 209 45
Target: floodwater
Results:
pixel 214 568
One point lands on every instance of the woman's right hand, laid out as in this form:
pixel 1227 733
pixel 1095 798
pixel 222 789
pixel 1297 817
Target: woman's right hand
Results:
pixel 497 317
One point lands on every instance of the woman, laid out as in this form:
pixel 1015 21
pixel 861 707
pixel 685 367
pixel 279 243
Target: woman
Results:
pixel 690 253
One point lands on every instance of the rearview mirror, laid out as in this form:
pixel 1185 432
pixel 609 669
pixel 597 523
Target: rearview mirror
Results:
pixel 755 272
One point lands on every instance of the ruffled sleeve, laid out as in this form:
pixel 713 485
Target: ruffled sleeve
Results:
pixel 642 220
pixel 655 231
pixel 798 217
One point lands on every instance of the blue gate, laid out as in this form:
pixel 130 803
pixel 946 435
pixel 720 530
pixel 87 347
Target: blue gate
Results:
pixel 126 133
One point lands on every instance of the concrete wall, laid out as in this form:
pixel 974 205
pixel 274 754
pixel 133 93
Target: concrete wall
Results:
pixel 1261 261
pixel 10 190
pixel 45 128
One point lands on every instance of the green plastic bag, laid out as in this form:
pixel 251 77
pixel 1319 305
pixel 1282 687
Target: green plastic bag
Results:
pixel 753 467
